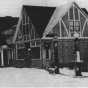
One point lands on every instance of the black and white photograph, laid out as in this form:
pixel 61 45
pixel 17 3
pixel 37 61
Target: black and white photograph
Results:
pixel 43 43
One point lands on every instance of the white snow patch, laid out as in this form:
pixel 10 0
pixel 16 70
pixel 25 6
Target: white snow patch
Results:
pixel 31 77
pixel 67 71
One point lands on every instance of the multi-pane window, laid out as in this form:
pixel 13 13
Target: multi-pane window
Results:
pixel 76 13
pixel 27 28
pixel 35 43
pixel 74 28
pixel 25 24
pixel 71 16
pixel 20 45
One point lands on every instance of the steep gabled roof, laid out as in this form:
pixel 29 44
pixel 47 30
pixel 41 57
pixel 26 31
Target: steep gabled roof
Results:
pixel 39 15
pixel 5 24
pixel 84 9
pixel 9 34
pixel 58 14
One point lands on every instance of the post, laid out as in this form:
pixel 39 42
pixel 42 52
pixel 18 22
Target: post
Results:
pixel 43 57
pixel 56 57
pixel 2 60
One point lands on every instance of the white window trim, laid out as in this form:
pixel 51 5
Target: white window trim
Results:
pixel 84 27
pixel 65 27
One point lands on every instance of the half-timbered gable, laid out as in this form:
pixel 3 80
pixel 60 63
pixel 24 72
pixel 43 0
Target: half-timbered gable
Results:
pixel 26 30
pixel 45 34
pixel 71 19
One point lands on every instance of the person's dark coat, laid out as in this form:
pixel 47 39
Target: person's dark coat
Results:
pixel 28 58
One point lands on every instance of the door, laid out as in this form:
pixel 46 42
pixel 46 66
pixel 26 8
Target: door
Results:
pixel 68 53
pixel 46 53
pixel 64 51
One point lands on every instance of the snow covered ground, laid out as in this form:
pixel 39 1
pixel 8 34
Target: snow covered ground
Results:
pixel 31 77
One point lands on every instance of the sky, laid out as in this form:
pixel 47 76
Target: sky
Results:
pixel 13 7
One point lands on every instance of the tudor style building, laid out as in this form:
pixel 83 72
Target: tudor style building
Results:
pixel 49 32
pixel 67 22
pixel 27 35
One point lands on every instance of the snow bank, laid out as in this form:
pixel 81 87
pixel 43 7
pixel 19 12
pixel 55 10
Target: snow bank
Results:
pixel 25 77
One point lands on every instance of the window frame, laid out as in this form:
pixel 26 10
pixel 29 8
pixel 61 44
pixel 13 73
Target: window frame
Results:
pixel 73 26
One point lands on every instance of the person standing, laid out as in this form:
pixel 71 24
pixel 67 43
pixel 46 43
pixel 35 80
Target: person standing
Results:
pixel 28 60
pixel 78 61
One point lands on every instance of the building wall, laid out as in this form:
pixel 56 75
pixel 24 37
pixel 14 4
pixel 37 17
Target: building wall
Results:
pixel 73 21
pixel 22 53
pixel 27 38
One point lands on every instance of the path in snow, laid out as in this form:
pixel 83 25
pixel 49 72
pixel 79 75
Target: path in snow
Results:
pixel 37 78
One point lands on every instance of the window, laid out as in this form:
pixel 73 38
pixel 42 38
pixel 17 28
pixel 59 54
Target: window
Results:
pixel 77 29
pixel 74 28
pixel 26 25
pixel 23 20
pixel 76 23
pixel 71 13
pixel 71 28
pixel 76 13
pixel 27 29
pixel 35 43
pixel 71 23
pixel 35 52
pixel 20 45
pixel 32 34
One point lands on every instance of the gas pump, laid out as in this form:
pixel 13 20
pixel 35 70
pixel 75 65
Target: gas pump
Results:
pixel 56 59
pixel 47 54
